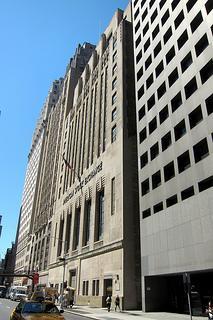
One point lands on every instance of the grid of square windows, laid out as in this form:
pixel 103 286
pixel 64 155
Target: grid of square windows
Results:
pixel 194 118
pixel 199 150
pixel 167 35
pixel 203 185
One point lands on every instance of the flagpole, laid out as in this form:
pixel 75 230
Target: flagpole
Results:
pixel 70 167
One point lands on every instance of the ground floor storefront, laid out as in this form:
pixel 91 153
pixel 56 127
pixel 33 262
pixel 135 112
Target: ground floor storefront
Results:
pixel 89 279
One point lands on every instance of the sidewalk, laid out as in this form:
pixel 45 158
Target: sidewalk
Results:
pixel 102 314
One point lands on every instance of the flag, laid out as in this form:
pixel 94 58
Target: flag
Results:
pixel 68 165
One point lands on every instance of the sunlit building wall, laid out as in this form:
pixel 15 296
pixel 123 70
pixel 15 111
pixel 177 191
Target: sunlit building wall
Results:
pixel 173 44
pixel 95 225
pixel 23 246
pixel 46 191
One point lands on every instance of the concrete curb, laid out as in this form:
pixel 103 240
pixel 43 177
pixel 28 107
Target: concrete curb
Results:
pixel 80 314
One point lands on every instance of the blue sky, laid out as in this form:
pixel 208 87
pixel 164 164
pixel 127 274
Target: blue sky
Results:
pixel 37 38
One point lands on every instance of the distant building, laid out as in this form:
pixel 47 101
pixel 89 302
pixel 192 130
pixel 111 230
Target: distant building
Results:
pixel 7 265
pixel 173 43
pixel 30 185
pixel 1 271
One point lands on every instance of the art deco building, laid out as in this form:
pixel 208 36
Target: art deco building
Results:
pixel 23 244
pixel 45 196
pixel 95 226
pixel 173 44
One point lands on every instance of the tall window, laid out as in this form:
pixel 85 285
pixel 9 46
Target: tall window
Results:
pixel 90 128
pixel 76 229
pixel 68 232
pixel 99 228
pixel 87 215
pixel 60 237
pixel 94 123
pixel 112 196
pixel 56 225
pixel 104 110
pixel 95 287
pixel 85 288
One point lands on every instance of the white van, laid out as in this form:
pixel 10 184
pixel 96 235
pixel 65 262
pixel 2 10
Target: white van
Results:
pixel 19 293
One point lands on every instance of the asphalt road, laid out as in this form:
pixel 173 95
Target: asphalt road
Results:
pixel 7 306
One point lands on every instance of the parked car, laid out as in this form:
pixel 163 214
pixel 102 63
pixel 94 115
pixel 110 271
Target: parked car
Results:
pixel 3 291
pixel 34 310
pixel 19 293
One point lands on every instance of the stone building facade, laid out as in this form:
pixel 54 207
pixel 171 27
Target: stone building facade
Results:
pixel 46 190
pixel 173 44
pixel 95 226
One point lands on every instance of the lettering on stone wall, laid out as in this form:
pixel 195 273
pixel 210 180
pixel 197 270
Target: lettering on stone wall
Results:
pixel 83 183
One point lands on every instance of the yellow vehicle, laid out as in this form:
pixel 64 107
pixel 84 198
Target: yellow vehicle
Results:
pixel 34 310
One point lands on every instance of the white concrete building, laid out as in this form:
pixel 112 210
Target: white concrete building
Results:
pixel 173 44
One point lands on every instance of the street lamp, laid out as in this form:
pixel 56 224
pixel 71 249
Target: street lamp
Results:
pixel 62 259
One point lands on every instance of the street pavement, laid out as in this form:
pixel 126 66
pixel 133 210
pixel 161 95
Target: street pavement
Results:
pixel 103 314
pixel 83 312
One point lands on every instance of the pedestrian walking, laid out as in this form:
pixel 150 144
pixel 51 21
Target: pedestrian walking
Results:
pixel 117 303
pixel 108 302
pixel 210 310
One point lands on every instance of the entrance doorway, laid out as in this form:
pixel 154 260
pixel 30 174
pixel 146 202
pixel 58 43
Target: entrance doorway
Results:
pixel 107 289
